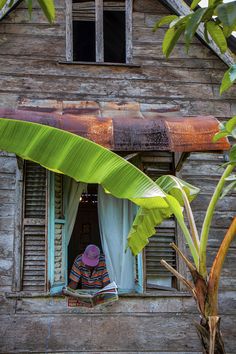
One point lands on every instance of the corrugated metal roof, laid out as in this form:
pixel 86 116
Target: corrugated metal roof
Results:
pixel 129 129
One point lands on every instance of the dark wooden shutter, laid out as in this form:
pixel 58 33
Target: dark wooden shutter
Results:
pixel 155 165
pixel 34 228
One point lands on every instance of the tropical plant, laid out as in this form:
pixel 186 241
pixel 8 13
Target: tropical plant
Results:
pixel 47 7
pixel 204 285
pixel 219 22
pixel 85 161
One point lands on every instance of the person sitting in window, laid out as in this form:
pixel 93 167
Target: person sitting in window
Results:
pixel 89 270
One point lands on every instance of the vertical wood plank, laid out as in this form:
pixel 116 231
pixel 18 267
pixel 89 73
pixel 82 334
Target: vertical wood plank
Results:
pixel 69 31
pixel 99 31
pixel 17 250
pixel 181 243
pixel 129 28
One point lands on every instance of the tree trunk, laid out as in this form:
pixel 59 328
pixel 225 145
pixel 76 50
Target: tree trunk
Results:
pixel 204 333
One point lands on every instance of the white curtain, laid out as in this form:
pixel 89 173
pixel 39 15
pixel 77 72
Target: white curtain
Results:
pixel 73 193
pixel 115 219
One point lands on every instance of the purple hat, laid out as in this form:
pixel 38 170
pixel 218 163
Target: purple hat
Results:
pixel 91 256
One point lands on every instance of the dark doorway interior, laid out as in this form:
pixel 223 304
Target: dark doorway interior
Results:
pixel 86 229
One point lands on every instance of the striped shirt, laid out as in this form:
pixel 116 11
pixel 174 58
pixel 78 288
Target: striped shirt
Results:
pixel 95 278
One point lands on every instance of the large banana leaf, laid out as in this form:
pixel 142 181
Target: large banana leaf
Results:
pixel 146 220
pixel 85 161
pixel 81 159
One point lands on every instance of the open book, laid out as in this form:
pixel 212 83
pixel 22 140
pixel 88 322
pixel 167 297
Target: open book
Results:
pixel 91 298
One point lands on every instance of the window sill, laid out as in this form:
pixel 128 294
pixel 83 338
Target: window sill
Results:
pixel 126 65
pixel 157 294
pixel 152 294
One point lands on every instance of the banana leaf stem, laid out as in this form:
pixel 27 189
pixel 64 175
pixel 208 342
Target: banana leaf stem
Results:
pixel 208 219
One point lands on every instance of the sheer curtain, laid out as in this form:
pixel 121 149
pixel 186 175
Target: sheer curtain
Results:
pixel 73 193
pixel 115 219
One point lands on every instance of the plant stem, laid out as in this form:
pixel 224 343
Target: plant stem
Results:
pixel 208 219
pixel 214 277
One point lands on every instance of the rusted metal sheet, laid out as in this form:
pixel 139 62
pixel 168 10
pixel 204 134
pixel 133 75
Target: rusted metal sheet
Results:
pixel 95 129
pixel 130 130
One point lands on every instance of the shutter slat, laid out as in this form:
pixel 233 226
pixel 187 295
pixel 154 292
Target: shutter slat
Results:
pixel 34 262
pixel 156 165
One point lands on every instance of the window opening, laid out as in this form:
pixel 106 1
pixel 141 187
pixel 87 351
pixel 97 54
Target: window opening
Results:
pixel 114 36
pixel 84 32
pixel 86 228
pixel 101 31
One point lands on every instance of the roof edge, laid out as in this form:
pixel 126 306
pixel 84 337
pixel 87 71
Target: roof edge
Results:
pixel 6 8
pixel 182 9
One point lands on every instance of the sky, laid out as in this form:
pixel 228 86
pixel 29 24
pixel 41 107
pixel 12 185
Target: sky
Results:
pixel 205 2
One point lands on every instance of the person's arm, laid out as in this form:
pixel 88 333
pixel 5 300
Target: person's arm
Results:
pixel 75 274
pixel 72 284
pixel 105 276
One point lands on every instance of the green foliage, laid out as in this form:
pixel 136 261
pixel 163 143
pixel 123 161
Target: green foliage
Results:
pixel 170 39
pixel 218 20
pixel 48 8
pixel 194 4
pixel 146 220
pixel 226 129
pixel 88 162
pixel 227 13
pixel 164 21
pixel 30 6
pixel 2 3
pixel 231 186
pixel 217 35
pixel 228 79
pixel 192 25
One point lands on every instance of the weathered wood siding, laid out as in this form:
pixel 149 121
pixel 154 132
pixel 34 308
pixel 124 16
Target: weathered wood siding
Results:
pixel 30 69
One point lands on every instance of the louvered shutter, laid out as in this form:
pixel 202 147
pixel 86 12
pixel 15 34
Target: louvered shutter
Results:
pixel 156 165
pixel 57 251
pixel 83 11
pixel 34 228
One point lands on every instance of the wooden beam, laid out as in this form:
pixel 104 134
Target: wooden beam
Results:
pixel 129 28
pixel 99 31
pixel 182 9
pixel 17 251
pixel 69 31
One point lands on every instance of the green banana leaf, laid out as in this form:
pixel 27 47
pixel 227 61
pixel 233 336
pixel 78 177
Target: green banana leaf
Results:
pixel 81 159
pixel 85 161
pixel 146 220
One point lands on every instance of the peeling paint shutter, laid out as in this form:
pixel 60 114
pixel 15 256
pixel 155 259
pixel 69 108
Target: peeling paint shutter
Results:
pixel 159 248
pixel 156 165
pixel 57 251
pixel 34 228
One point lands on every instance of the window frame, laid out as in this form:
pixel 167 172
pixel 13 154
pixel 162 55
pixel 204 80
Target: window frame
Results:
pixel 99 32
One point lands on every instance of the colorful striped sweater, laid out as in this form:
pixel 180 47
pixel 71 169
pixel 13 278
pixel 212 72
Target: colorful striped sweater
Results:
pixel 96 278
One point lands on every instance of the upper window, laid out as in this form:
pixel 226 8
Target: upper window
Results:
pixel 99 31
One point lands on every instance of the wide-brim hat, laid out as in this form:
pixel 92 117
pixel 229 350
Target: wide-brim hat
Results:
pixel 91 256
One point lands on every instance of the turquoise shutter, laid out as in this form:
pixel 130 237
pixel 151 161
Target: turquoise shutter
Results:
pixel 57 264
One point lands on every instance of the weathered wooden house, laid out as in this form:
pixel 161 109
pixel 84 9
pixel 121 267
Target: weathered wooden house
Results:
pixel 99 71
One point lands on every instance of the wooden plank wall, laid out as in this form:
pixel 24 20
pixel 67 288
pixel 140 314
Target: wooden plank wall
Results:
pixel 30 52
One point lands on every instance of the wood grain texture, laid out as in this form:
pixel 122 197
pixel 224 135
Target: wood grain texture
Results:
pixel 30 52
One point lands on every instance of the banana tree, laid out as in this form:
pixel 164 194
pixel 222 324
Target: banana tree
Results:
pixel 204 286
pixel 85 161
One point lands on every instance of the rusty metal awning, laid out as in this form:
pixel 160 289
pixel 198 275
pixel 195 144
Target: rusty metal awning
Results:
pixel 130 130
